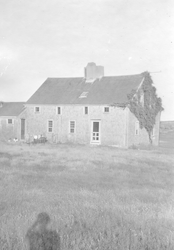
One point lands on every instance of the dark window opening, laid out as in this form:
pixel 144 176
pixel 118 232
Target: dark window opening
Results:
pixel 59 110
pixel 86 110
pixel 106 109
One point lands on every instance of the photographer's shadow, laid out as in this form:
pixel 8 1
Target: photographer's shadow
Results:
pixel 40 237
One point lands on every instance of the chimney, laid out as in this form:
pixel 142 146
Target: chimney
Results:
pixel 93 72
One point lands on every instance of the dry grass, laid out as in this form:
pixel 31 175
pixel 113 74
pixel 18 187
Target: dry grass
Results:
pixel 97 197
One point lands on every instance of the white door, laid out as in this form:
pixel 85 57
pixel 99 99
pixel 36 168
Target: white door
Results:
pixel 95 132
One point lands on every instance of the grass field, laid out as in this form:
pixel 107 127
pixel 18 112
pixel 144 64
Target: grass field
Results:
pixel 97 197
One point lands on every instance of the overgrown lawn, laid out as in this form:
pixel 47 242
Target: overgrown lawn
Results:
pixel 97 197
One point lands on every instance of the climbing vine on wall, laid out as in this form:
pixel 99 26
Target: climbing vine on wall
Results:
pixel 145 104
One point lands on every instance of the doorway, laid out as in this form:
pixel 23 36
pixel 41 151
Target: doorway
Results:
pixel 22 129
pixel 95 132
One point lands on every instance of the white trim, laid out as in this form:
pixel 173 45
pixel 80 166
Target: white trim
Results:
pixel 70 126
pixel 8 117
pixel 61 105
pixel 140 84
pixel 127 128
pixel 50 120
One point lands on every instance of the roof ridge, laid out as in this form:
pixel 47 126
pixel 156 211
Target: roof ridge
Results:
pixel 81 77
pixel 64 77
pixel 124 75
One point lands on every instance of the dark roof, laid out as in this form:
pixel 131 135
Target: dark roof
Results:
pixel 107 90
pixel 11 108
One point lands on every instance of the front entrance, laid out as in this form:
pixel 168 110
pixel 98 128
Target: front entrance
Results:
pixel 95 132
pixel 22 129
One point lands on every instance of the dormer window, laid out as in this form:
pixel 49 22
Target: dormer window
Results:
pixel 83 95
pixel 37 109
pixel 106 109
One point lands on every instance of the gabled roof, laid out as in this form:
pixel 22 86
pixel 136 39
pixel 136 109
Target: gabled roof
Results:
pixel 11 108
pixel 107 90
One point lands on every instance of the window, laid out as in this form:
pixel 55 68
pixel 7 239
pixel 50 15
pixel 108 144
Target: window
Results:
pixel 106 109
pixel 83 95
pixel 37 109
pixel 86 110
pixel 72 127
pixel 50 126
pixel 59 111
pixel 10 121
pixel 137 128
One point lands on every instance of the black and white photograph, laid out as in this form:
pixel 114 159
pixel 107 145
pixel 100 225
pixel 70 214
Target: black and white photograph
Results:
pixel 86 125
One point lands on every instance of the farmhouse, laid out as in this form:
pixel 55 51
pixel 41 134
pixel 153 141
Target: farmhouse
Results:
pixel 92 109
pixel 11 126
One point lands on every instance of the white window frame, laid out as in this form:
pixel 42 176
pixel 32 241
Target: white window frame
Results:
pixel 35 111
pixel 71 127
pixel 85 110
pixel 12 123
pixel 48 127
pixel 137 128
pixel 104 110
pixel 58 107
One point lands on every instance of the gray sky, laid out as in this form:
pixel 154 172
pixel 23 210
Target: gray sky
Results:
pixel 55 38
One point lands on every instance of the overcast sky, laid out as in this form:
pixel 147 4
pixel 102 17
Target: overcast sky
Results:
pixel 56 38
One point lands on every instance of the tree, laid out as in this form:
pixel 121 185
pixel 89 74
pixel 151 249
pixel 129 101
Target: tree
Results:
pixel 145 104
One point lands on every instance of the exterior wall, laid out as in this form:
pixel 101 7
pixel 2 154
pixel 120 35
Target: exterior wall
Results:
pixel 143 137
pixel 113 124
pixel 155 137
pixel 8 131
pixel 133 139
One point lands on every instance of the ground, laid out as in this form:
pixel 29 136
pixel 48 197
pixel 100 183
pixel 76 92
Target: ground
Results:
pixel 97 197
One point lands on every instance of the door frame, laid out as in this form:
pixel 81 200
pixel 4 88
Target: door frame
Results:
pixel 91 135
pixel 24 128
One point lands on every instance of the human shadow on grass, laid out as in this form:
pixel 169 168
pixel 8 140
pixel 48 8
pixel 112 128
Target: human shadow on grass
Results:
pixel 40 237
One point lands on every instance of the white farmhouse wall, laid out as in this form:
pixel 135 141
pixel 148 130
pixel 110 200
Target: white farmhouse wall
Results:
pixel 113 124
